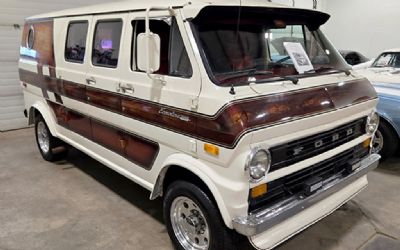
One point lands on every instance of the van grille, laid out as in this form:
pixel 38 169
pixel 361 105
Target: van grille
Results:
pixel 299 150
pixel 293 184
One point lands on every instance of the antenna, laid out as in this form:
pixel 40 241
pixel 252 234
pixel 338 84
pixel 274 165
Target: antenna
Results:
pixel 232 90
pixel 315 4
pixel 238 21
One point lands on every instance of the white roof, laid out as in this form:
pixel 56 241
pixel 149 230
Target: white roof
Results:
pixel 131 5
pixel 396 50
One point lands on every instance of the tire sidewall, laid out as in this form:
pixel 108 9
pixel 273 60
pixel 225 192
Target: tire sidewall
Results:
pixel 47 154
pixel 209 210
pixel 53 143
pixel 390 141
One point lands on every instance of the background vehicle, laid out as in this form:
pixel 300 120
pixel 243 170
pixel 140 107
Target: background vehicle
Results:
pixel 384 74
pixel 353 57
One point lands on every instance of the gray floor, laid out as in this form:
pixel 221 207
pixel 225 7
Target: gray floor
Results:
pixel 81 204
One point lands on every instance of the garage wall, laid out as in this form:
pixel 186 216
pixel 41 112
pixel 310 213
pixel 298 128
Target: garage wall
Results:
pixel 11 101
pixel 364 25
pixel 12 14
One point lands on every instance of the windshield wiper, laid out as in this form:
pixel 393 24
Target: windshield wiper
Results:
pixel 246 72
pixel 346 71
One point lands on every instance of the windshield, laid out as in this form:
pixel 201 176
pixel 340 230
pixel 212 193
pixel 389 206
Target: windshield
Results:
pixel 266 45
pixel 387 60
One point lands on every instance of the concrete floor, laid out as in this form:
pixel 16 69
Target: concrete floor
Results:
pixel 81 204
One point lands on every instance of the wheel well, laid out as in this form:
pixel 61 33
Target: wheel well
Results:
pixel 175 173
pixel 33 113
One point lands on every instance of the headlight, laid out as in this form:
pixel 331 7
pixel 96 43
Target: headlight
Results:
pixel 372 123
pixel 258 163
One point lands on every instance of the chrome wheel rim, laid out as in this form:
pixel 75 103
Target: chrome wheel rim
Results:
pixel 43 137
pixel 377 142
pixel 189 224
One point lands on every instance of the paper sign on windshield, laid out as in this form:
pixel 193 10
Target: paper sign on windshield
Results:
pixel 299 57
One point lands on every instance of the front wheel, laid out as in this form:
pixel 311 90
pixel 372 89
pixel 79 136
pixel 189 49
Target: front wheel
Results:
pixel 385 141
pixel 193 221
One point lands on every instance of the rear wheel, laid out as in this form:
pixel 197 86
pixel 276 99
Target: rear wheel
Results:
pixel 50 147
pixel 193 221
pixel 386 141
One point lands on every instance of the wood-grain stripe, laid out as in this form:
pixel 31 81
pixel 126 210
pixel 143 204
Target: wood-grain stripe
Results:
pixel 234 120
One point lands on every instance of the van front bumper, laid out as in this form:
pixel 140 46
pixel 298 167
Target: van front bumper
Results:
pixel 259 222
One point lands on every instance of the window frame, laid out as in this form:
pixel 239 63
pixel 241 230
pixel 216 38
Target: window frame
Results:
pixel 175 21
pixel 66 41
pixel 94 41
pixel 30 38
pixel 133 54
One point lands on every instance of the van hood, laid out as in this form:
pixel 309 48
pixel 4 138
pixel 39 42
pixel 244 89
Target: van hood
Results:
pixel 303 84
pixel 242 116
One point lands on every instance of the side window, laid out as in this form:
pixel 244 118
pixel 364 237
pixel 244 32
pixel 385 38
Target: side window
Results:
pixel 107 38
pixel 75 45
pixel 174 59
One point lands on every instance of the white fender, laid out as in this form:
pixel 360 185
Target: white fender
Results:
pixel 47 115
pixel 199 169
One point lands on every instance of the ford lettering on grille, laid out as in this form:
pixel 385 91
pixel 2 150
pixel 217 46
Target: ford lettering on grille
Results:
pixel 299 150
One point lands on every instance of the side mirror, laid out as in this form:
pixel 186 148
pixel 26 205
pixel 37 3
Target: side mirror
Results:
pixel 148 52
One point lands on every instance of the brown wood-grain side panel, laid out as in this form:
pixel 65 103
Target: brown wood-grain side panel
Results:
pixel 103 99
pixel 60 112
pixel 31 78
pixel 108 137
pixel 141 151
pixel 74 91
pixel 80 124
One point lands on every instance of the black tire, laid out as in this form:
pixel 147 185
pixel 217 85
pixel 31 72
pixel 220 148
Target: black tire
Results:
pixel 57 149
pixel 390 143
pixel 221 237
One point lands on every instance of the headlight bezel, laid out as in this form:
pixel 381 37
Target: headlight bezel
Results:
pixel 262 168
pixel 372 124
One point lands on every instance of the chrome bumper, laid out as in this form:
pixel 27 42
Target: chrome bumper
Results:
pixel 254 224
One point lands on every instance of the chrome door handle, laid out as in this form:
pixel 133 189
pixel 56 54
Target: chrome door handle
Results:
pixel 125 88
pixel 91 81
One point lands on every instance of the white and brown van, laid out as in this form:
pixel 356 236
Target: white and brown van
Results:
pixel 245 119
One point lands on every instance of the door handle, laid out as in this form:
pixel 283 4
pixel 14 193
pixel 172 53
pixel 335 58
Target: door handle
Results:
pixel 91 81
pixel 125 88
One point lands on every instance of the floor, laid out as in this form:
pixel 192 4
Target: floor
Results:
pixel 81 204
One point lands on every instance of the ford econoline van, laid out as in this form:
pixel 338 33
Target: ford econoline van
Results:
pixel 243 118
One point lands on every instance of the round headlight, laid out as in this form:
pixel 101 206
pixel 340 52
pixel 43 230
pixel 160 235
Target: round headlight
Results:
pixel 258 163
pixel 372 123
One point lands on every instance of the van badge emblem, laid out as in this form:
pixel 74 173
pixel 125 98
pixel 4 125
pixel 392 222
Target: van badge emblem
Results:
pixel 318 143
pixel 172 114
pixel 349 132
pixel 298 150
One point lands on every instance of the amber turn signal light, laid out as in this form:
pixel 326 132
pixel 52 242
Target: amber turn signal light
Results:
pixel 211 149
pixel 366 143
pixel 259 191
